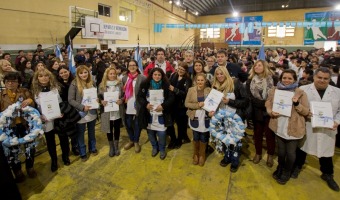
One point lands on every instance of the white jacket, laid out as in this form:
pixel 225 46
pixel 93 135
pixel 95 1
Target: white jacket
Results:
pixel 321 141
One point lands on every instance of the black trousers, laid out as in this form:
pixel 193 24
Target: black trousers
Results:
pixel 52 146
pixel 326 163
pixel 181 120
pixel 115 127
pixel 286 152
pixel 9 189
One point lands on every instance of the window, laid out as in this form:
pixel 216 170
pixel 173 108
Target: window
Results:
pixel 281 32
pixel 210 33
pixel 125 14
pixel 104 10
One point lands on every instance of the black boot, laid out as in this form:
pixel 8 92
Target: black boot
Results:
pixel 295 172
pixel 284 178
pixel 112 149
pixel 66 160
pixel 54 165
pixel 116 145
pixel 330 181
pixel 278 172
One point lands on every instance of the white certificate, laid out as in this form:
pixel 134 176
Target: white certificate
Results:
pixel 283 102
pixel 90 98
pixel 156 98
pixel 322 114
pixel 50 106
pixel 111 98
pixel 213 100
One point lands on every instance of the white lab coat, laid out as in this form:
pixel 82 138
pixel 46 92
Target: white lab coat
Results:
pixel 321 141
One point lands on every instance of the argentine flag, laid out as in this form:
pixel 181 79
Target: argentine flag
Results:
pixel 71 63
pixel 58 53
pixel 138 58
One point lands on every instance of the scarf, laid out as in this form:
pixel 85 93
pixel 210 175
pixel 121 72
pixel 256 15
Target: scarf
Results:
pixel 156 85
pixel 290 87
pixel 111 83
pixel 259 87
pixel 129 86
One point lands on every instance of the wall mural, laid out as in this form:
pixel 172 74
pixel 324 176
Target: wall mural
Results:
pixel 321 26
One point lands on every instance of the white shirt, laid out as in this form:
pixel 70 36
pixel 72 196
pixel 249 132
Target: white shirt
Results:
pixel 131 107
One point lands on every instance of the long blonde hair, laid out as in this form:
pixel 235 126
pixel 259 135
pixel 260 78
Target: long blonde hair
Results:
pixel 266 70
pixel 81 85
pixel 102 85
pixel 227 85
pixel 37 87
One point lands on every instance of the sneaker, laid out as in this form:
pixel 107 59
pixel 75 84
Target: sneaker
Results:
pixel 162 155
pixel 224 163
pixel 330 181
pixel 295 173
pixel 84 158
pixel 233 168
pixel 154 152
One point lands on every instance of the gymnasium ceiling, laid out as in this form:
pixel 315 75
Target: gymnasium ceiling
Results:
pixel 215 7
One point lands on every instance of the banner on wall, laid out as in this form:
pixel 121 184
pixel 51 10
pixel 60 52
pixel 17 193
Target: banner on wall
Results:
pixel 315 28
pixel 232 33
pixel 252 33
pixel 115 32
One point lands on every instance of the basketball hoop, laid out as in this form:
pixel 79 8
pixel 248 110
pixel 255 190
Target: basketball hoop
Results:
pixel 99 35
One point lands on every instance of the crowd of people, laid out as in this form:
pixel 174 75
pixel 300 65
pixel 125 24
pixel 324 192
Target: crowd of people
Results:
pixel 184 78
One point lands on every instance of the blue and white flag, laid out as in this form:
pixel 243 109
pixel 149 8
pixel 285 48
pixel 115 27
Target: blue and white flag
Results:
pixel 71 63
pixel 58 53
pixel 262 55
pixel 138 58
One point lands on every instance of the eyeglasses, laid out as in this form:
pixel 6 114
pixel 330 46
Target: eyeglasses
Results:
pixel 11 81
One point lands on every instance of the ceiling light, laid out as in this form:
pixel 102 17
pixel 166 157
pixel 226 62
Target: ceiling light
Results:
pixel 286 6
pixel 337 7
pixel 170 2
pixel 235 14
pixel 196 13
pixel 185 10
pixel 178 3
pixel 283 6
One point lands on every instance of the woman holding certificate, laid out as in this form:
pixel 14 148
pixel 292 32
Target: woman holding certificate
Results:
pixel 234 100
pixel 258 85
pixel 83 96
pixel 289 127
pixel 198 118
pixel 131 83
pixel 46 94
pixel 112 109
pixel 156 101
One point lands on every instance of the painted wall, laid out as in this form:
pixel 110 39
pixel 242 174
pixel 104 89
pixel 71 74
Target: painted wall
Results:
pixel 269 16
pixel 25 23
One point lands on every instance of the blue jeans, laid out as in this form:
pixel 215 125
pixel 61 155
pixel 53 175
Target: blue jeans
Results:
pixel 199 136
pixel 160 144
pixel 91 137
pixel 132 127
pixel 232 154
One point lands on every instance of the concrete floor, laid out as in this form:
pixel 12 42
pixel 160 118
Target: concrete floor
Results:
pixel 140 176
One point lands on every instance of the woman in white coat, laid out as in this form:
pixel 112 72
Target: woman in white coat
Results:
pixel 320 142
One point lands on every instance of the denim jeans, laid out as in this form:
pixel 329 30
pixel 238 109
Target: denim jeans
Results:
pixel 160 144
pixel 232 154
pixel 199 136
pixel 132 127
pixel 91 137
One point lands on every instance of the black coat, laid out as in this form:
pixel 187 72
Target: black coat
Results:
pixel 234 71
pixel 180 90
pixel 67 124
pixel 144 114
pixel 98 71
pixel 241 101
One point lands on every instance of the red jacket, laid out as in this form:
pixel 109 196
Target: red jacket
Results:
pixel 169 69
